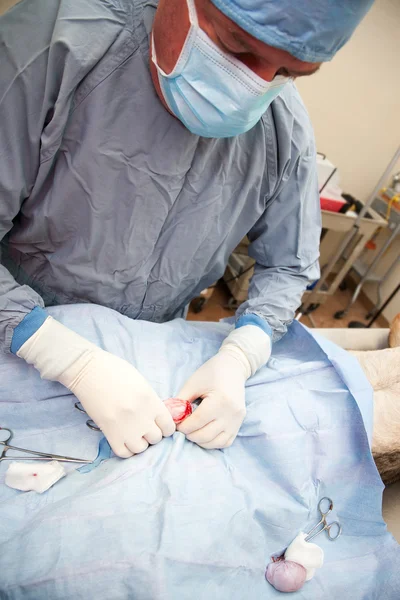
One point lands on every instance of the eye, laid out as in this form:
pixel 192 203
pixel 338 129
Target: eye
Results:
pixel 233 48
pixel 284 72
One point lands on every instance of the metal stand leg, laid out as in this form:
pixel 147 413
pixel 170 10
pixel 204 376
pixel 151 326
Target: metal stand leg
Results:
pixel 311 320
pixel 384 278
pixel 359 325
pixel 378 302
pixel 300 315
pixel 370 269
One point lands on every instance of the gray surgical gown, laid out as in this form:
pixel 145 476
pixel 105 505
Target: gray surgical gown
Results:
pixel 106 198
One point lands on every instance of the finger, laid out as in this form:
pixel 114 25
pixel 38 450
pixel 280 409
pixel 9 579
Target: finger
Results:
pixel 230 441
pixel 165 422
pixel 189 391
pixel 202 416
pixel 137 445
pixel 118 446
pixel 207 433
pixel 153 435
pixel 219 441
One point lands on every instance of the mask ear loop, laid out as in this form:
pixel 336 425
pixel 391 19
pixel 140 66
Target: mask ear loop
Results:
pixel 160 74
pixel 192 13
pixel 186 48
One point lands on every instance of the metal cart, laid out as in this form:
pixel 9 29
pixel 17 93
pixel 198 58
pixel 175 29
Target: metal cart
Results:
pixel 367 273
pixel 349 249
pixel 333 223
pixel 240 266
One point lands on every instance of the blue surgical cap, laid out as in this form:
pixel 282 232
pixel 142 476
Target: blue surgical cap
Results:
pixel 310 30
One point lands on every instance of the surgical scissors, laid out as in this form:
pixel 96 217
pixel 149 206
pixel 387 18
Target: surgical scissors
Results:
pixel 326 527
pixel 37 455
pixel 90 423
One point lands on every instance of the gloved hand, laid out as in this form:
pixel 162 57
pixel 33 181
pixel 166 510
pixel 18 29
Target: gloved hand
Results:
pixel 220 382
pixel 112 392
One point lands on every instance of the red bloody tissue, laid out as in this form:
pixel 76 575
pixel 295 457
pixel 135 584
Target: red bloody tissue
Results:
pixel 179 409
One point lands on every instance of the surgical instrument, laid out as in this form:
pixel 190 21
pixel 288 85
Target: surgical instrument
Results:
pixel 90 423
pixel 326 527
pixel 37 455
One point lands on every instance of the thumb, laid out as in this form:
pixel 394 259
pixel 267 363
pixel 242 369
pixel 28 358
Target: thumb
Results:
pixel 188 392
pixel 193 389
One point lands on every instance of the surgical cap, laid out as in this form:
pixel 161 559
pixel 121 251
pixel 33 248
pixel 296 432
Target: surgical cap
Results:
pixel 310 30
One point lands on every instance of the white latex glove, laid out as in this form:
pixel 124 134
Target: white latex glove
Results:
pixel 112 392
pixel 220 382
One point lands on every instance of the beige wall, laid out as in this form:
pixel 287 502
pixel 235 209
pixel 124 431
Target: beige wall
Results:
pixel 354 101
pixel 354 104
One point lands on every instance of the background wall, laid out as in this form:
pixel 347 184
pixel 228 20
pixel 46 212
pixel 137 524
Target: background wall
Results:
pixel 354 101
pixel 354 104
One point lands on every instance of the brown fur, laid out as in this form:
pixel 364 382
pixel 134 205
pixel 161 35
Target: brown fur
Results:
pixel 388 465
pixel 382 368
pixel 394 335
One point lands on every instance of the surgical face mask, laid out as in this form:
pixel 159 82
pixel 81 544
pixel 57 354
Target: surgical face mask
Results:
pixel 211 92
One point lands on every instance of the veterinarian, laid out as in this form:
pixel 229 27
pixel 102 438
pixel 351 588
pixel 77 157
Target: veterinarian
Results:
pixel 139 144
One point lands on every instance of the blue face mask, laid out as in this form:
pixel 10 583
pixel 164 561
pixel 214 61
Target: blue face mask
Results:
pixel 211 92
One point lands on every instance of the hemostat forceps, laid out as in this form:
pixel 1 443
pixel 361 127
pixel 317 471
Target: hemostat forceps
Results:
pixel 325 526
pixel 36 455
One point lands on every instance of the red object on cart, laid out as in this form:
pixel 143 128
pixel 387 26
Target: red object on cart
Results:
pixel 332 204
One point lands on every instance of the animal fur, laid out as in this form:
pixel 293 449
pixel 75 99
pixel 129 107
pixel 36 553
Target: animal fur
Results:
pixel 382 368
pixel 394 336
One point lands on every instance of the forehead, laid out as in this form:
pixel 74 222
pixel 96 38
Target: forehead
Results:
pixel 233 31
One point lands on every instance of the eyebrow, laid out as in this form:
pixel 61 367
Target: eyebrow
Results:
pixel 239 39
pixel 293 72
